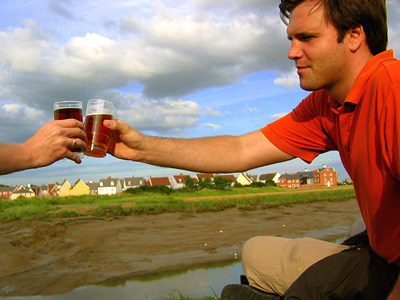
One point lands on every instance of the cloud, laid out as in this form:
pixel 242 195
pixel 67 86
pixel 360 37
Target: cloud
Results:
pixel 278 116
pixel 166 116
pixel 174 54
pixel 19 122
pixel 214 126
pixel 212 112
pixel 170 49
pixel 58 6
pixel 288 81
pixel 250 110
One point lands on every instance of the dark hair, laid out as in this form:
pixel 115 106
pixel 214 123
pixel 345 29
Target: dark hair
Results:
pixel 348 14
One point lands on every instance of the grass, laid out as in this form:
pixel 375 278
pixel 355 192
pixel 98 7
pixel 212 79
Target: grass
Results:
pixel 150 203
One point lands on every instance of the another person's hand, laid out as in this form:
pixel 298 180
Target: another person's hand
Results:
pixel 53 141
pixel 124 140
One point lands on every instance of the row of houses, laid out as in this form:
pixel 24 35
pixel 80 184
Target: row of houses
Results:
pixel 319 177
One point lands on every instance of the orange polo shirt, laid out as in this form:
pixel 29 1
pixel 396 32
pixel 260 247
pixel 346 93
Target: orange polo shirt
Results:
pixel 366 132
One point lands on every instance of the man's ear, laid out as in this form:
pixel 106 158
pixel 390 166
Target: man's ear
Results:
pixel 356 37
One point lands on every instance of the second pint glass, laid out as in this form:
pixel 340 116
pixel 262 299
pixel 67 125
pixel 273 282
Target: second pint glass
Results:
pixel 97 111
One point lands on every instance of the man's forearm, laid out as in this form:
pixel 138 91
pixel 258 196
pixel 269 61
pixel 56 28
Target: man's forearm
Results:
pixel 13 158
pixel 220 154
pixel 210 154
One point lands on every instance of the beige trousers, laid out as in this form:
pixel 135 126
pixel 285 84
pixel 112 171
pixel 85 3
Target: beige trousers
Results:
pixel 272 264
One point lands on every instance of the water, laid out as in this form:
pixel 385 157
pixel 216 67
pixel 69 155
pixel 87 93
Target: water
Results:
pixel 198 282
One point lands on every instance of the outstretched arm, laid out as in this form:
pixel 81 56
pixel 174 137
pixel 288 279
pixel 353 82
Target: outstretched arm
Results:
pixel 49 144
pixel 209 154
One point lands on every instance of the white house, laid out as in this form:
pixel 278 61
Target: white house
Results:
pixel 179 181
pixel 244 179
pixel 109 186
pixel 24 192
pixel 270 176
pixel 132 182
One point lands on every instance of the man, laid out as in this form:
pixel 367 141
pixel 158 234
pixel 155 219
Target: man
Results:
pixel 49 144
pixel 339 48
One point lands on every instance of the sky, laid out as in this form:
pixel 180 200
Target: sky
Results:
pixel 175 68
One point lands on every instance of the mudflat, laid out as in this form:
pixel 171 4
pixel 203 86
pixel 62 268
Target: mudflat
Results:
pixel 57 255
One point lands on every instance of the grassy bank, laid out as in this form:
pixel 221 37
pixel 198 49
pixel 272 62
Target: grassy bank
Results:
pixel 126 204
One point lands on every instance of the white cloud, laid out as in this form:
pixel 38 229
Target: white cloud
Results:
pixel 214 126
pixel 166 116
pixel 278 116
pixel 19 122
pixel 250 110
pixel 212 112
pixel 288 81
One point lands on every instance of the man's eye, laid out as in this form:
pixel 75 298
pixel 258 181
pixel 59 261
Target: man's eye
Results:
pixel 306 37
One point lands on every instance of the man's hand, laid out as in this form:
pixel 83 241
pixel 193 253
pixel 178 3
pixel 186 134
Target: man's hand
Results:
pixel 53 141
pixel 125 141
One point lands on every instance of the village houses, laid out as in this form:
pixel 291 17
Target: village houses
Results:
pixel 320 177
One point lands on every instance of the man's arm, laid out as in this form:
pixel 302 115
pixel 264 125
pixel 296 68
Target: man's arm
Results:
pixel 223 154
pixel 49 144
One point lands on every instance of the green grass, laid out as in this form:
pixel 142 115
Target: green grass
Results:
pixel 151 203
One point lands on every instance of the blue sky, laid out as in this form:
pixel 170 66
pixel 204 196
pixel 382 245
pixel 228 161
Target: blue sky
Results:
pixel 184 68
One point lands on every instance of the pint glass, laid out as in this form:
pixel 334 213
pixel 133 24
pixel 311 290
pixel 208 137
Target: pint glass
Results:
pixel 97 111
pixel 69 110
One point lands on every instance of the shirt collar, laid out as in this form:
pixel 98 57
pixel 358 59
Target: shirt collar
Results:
pixel 353 98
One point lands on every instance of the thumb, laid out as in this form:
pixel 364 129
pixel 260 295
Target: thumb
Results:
pixel 117 125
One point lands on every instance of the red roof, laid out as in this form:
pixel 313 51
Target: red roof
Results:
pixel 181 178
pixel 154 181
pixel 231 177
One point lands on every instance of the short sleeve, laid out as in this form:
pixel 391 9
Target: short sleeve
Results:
pixel 305 132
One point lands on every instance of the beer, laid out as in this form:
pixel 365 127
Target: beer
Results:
pixel 68 110
pixel 68 113
pixel 97 135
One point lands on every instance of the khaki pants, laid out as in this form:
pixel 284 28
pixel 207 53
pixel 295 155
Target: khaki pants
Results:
pixel 272 264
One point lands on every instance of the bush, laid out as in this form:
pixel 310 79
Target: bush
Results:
pixel 98 212
pixel 66 214
pixel 162 189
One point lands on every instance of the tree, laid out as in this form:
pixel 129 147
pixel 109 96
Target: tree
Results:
pixel 189 182
pixel 205 183
pixel 222 183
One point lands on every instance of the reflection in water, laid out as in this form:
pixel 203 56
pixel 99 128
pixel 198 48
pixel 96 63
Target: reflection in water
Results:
pixel 198 282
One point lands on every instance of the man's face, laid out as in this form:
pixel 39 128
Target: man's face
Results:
pixel 320 59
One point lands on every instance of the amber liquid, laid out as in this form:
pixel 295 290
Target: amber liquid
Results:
pixel 97 135
pixel 69 113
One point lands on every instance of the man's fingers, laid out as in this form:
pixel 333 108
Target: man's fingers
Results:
pixel 72 156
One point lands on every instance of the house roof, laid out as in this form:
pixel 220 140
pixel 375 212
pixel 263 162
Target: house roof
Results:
pixel 327 169
pixel 182 178
pixel 228 176
pixel 291 176
pixel 268 176
pixel 6 189
pixel 133 181
pixel 93 185
pixel 24 191
pixel 154 181
pixel 306 174
pixel 109 182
